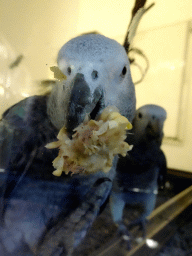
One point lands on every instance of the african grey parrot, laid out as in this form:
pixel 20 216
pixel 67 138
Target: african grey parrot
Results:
pixel 43 214
pixel 144 167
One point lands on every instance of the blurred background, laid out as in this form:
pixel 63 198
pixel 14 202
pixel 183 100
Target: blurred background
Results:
pixel 32 32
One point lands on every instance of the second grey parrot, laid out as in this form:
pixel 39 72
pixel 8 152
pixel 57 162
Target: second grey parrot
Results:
pixel 43 214
pixel 142 170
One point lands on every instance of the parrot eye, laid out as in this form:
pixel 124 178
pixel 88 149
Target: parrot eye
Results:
pixel 140 115
pixel 69 70
pixel 94 75
pixel 124 71
pixel 153 117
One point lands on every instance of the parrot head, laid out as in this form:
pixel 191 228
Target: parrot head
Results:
pixel 148 122
pixel 97 75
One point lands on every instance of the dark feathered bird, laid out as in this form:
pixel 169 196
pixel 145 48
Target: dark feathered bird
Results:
pixel 35 204
pixel 137 174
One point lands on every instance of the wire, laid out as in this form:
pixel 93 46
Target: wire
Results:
pixel 133 61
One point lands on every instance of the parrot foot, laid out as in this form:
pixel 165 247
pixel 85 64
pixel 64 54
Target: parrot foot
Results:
pixel 125 235
pixel 142 227
pixel 139 240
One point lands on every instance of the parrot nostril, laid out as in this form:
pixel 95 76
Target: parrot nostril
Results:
pixel 69 70
pixel 94 75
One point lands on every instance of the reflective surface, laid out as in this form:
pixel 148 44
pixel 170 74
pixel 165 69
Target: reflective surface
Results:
pixel 39 33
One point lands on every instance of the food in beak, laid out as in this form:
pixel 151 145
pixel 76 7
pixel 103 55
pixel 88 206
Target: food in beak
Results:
pixel 93 145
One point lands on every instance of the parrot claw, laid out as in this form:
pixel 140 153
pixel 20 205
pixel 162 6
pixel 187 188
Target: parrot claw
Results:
pixel 125 235
pixel 142 227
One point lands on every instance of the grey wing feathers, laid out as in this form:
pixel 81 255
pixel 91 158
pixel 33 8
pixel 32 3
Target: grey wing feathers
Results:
pixel 6 138
pixel 69 232
pixel 12 126
pixel 162 170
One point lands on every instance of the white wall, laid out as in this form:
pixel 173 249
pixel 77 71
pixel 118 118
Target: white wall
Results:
pixel 37 29
pixel 168 83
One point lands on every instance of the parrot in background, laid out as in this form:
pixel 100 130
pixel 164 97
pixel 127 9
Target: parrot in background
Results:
pixel 139 173
pixel 42 214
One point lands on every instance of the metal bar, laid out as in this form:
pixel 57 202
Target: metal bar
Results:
pixel 162 224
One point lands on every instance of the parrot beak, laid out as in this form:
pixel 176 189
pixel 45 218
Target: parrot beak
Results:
pixel 154 129
pixel 82 103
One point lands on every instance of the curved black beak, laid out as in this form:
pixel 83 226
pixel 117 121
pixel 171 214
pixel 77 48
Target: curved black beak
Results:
pixel 153 130
pixel 78 103
pixel 83 102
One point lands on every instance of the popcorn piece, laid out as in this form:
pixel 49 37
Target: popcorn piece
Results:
pixel 93 145
pixel 57 73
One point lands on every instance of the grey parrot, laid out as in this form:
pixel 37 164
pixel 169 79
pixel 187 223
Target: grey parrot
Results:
pixel 42 214
pixel 139 174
